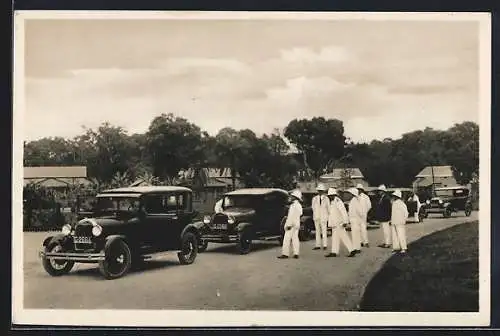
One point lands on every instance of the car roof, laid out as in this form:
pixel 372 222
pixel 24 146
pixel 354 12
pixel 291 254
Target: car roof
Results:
pixel 451 188
pixel 255 191
pixel 402 189
pixel 145 190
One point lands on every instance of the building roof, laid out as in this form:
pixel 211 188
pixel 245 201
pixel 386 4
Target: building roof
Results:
pixel 55 172
pixel 439 171
pixel 146 189
pixel 255 191
pixel 337 173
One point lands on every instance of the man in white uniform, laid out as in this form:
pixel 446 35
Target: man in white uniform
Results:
pixel 292 227
pixel 399 215
pixel 320 207
pixel 218 206
pixel 367 205
pixel 337 220
pixel 356 215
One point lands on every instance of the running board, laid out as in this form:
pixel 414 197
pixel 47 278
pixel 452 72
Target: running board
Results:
pixel 270 238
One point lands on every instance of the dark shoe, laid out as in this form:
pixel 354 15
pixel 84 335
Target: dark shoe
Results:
pixel 396 251
pixel 352 254
pixel 283 257
pixel 366 245
pixel 402 252
pixel 324 248
pixel 387 246
pixel 316 248
pixel 382 245
pixel 296 257
pixel 357 251
pixel 331 255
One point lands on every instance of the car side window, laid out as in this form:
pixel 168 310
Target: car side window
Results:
pixel 153 204
pixel 170 203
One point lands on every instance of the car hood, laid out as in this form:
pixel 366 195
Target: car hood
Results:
pixel 110 221
pixel 239 212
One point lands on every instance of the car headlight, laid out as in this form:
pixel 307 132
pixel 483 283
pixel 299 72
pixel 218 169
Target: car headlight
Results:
pixel 66 229
pixel 440 201
pixel 206 220
pixel 96 230
pixel 230 220
pixel 428 202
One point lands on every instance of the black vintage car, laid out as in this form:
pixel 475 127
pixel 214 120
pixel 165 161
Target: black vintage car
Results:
pixel 249 214
pixel 127 226
pixel 448 200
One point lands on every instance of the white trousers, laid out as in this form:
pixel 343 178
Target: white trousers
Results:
pixel 320 228
pixel 356 235
pixel 386 229
pixel 364 231
pixel 398 237
pixel 416 217
pixel 339 234
pixel 291 237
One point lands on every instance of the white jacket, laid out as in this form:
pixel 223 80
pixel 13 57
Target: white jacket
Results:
pixel 338 213
pixel 356 211
pixel 366 202
pixel 399 213
pixel 320 211
pixel 218 206
pixel 294 214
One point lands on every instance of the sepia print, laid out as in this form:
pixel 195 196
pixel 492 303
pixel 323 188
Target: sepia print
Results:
pixel 251 169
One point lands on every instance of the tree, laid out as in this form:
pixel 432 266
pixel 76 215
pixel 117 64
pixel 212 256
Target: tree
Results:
pixel 321 141
pixel 174 144
pixel 463 151
pixel 52 151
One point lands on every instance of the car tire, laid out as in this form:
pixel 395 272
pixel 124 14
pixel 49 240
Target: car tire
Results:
pixel 189 246
pixel 117 262
pixel 244 242
pixel 468 211
pixel 202 246
pixel 447 213
pixel 56 267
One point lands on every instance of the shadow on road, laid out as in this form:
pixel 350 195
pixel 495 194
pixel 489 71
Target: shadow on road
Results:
pixel 147 265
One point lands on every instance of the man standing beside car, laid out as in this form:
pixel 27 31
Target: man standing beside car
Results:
pixel 337 220
pixel 383 215
pixel 320 207
pixel 367 205
pixel 356 215
pixel 399 215
pixel 292 227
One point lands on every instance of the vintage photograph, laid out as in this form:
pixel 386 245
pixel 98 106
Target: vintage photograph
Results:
pixel 211 168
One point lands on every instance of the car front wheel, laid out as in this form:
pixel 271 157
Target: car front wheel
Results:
pixel 56 267
pixel 468 211
pixel 447 213
pixel 189 246
pixel 244 242
pixel 117 262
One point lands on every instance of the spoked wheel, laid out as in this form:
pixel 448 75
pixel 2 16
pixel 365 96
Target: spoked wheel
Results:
pixel 189 250
pixel 202 246
pixel 117 262
pixel 468 211
pixel 56 267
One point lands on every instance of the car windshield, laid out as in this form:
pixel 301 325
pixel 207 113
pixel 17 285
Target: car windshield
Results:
pixel 114 203
pixel 238 201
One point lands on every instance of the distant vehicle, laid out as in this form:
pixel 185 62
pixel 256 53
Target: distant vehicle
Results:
pixel 448 200
pixel 250 214
pixel 127 225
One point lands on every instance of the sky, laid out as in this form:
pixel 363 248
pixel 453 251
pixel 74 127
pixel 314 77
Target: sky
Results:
pixel 381 78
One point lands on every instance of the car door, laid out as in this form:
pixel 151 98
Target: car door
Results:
pixel 273 211
pixel 160 219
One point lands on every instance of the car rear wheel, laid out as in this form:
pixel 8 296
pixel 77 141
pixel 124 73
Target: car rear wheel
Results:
pixel 56 267
pixel 244 242
pixel 117 262
pixel 468 211
pixel 202 246
pixel 447 213
pixel 189 250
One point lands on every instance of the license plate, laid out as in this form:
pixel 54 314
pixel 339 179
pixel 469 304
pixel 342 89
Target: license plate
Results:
pixel 82 240
pixel 220 226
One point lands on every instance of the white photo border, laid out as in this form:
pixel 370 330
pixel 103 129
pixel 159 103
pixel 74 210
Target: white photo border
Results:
pixel 227 318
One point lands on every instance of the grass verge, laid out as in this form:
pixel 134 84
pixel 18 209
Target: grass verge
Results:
pixel 440 273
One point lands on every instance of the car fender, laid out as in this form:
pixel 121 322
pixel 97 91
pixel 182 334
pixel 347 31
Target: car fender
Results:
pixel 113 238
pixel 243 226
pixel 59 238
pixel 193 227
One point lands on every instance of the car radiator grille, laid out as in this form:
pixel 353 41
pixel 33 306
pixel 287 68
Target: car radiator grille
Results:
pixel 83 231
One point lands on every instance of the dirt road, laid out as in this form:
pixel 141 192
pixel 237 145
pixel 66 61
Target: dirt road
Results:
pixel 220 278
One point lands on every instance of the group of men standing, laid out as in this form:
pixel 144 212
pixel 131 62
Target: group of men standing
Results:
pixel 329 211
